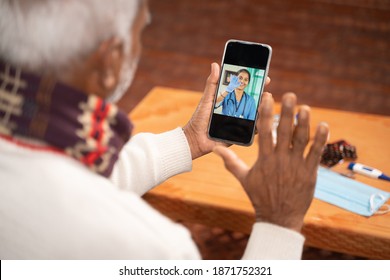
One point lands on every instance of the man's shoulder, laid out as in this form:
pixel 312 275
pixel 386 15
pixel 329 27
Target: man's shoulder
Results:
pixel 55 207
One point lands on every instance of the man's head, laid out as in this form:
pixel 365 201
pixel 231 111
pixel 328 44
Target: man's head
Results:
pixel 92 45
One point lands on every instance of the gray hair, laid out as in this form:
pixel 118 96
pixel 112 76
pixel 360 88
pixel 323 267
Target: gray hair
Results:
pixel 50 34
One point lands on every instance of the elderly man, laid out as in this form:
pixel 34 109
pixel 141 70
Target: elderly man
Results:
pixel 71 179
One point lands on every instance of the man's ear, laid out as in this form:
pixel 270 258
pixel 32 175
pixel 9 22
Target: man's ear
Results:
pixel 111 55
pixel 104 66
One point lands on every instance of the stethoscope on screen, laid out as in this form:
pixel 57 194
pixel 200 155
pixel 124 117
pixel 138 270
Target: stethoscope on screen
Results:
pixel 234 107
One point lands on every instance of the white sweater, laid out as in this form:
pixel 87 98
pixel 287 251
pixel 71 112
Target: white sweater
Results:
pixel 52 207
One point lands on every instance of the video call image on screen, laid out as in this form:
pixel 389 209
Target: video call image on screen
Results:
pixel 239 91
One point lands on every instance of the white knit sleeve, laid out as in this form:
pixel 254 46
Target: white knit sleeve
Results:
pixel 149 159
pixel 272 242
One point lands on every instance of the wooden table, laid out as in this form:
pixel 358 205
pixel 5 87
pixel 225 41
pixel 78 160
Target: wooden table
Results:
pixel 210 195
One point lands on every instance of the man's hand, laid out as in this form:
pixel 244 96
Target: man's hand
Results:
pixel 281 183
pixel 196 129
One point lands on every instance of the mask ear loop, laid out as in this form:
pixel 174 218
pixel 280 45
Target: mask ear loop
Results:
pixel 372 204
pixel 384 211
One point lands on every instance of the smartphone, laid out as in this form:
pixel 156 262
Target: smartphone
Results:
pixel 244 69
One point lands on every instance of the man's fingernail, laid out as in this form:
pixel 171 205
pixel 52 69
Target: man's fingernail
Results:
pixel 304 112
pixel 289 100
pixel 323 128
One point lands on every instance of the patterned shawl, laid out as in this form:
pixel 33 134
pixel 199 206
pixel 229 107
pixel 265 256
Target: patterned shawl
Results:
pixel 82 126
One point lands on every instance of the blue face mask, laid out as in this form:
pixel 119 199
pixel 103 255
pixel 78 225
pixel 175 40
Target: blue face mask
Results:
pixel 349 194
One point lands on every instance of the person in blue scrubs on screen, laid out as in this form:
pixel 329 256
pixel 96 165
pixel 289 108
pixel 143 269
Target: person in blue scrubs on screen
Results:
pixel 234 100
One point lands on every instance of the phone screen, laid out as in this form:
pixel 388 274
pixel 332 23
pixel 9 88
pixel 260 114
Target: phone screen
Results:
pixel 243 74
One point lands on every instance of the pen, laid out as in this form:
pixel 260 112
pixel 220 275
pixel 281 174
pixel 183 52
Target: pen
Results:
pixel 368 171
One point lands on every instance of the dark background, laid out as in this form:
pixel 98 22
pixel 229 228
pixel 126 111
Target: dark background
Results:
pixel 332 53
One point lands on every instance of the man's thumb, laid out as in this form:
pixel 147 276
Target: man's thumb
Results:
pixel 212 80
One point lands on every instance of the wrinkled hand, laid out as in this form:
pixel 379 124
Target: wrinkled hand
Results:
pixel 233 84
pixel 196 129
pixel 281 183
